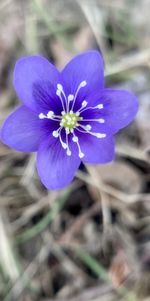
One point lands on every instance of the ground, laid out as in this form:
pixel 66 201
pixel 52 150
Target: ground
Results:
pixel 90 241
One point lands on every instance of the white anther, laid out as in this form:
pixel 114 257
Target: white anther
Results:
pixel 88 127
pixel 83 84
pixel 55 134
pixel 59 87
pixel 50 114
pixel 101 120
pixel 42 116
pixel 68 152
pixel 70 97
pixel 100 106
pixel 84 104
pixel 71 112
pixel 58 92
pixel 75 139
pixel 64 145
pixel 77 113
pixel 63 113
pixel 98 135
pixel 82 109
pixel 81 155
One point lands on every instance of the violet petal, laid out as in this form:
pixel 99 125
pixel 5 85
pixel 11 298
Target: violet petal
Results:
pixel 29 71
pixel 54 167
pixel 22 130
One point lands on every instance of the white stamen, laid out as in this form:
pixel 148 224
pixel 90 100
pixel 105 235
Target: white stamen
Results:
pixel 98 135
pixel 100 106
pixel 70 119
pixel 70 97
pixel 100 120
pixel 58 93
pixel 76 140
pixel 67 131
pixel 50 114
pixel 59 87
pixel 81 85
pixel 81 155
pixel 55 133
pixel 42 116
pixel 85 127
pixel 68 152
pixel 84 104
pixel 88 127
pixel 68 149
pixel 64 145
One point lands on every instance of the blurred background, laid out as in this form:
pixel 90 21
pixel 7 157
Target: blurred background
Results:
pixel 90 241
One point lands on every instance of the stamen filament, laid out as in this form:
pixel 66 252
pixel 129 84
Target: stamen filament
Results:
pixel 100 106
pixel 64 145
pixel 57 134
pixel 76 140
pixel 70 98
pixel 58 93
pixel 67 143
pixel 71 120
pixel 81 85
pixel 50 116
pixel 97 135
pixel 100 120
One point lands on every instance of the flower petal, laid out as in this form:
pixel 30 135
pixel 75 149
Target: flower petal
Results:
pixel 121 107
pixel 55 168
pixel 87 66
pixel 97 150
pixel 29 72
pixel 22 130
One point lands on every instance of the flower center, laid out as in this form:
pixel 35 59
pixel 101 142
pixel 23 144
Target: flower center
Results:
pixel 70 120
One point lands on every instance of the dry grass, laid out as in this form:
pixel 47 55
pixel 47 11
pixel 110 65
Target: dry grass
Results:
pixel 89 242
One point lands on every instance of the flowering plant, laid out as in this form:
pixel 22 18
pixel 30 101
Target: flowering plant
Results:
pixel 67 116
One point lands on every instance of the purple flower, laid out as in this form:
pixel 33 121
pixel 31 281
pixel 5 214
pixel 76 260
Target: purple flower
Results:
pixel 67 116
